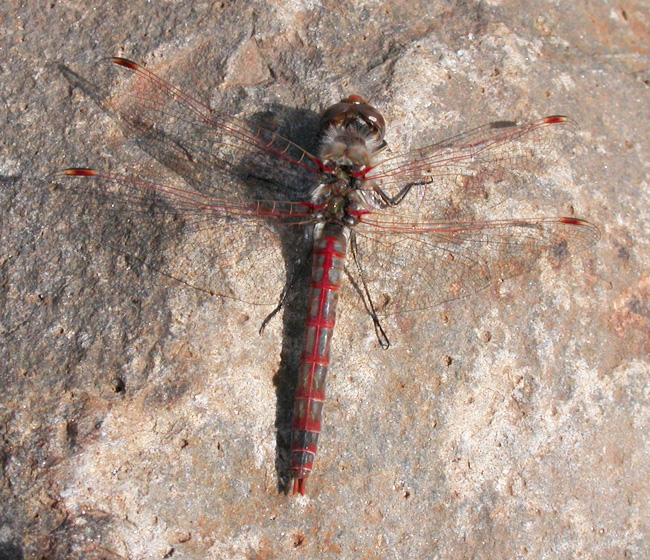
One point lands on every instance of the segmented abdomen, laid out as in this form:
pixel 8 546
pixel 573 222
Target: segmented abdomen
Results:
pixel 330 247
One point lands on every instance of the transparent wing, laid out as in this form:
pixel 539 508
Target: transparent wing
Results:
pixel 478 169
pixel 203 145
pixel 410 264
pixel 227 248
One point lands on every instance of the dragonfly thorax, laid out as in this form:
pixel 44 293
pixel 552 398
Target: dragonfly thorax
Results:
pixel 341 202
pixel 336 206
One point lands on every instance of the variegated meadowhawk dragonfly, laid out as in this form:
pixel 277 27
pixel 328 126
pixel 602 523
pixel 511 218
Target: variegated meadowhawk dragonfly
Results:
pixel 409 224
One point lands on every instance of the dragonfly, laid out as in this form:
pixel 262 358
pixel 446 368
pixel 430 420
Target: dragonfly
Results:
pixel 407 229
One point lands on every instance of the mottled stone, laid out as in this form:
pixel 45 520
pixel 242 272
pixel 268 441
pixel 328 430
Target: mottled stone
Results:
pixel 141 418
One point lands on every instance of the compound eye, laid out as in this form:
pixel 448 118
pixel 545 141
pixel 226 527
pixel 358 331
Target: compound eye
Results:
pixel 373 119
pixel 334 115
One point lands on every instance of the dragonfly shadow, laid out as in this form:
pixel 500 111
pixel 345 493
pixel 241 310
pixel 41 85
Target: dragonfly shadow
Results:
pixel 213 168
pixel 286 377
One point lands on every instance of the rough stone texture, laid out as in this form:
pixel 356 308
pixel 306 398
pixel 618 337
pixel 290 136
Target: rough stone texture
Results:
pixel 138 417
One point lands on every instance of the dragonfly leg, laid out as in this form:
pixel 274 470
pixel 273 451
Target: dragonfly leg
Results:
pixel 394 201
pixel 297 273
pixel 364 294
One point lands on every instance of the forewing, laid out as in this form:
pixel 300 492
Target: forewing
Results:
pixel 203 145
pixel 478 169
pixel 412 265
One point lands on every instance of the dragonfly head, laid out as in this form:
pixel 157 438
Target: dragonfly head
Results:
pixel 352 133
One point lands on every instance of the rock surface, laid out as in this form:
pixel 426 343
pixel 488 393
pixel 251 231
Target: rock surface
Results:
pixel 140 418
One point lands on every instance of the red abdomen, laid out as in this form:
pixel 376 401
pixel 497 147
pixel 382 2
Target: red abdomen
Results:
pixel 330 248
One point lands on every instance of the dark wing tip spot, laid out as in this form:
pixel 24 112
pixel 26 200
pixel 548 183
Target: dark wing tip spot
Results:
pixel 79 172
pixel 124 62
